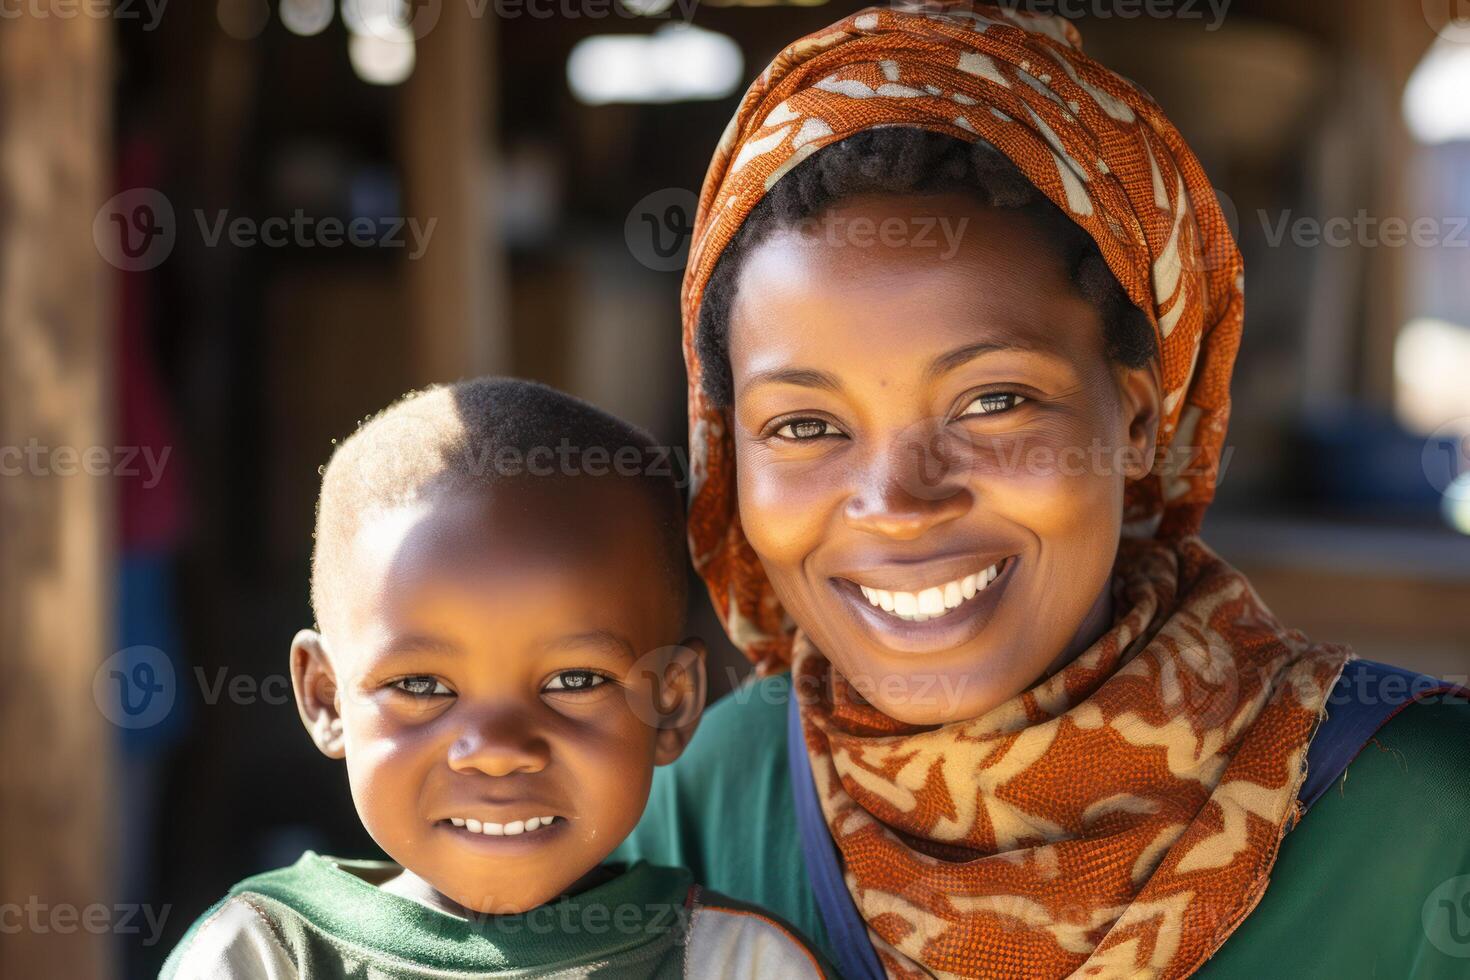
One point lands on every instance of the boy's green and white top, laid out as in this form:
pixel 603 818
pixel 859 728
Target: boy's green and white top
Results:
pixel 327 917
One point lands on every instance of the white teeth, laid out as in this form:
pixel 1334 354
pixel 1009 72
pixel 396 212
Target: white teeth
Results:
pixel 933 602
pixel 503 830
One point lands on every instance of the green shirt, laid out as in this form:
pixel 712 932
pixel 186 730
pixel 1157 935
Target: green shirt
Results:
pixel 325 917
pixel 1374 881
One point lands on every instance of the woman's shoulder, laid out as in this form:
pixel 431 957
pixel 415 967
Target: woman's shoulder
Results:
pixel 754 713
pixel 1370 860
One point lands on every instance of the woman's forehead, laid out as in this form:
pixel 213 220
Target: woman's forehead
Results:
pixel 816 300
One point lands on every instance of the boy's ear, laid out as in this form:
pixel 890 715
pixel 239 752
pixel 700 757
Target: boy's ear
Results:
pixel 315 683
pixel 678 697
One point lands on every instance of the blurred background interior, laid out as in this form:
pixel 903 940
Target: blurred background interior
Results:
pixel 532 134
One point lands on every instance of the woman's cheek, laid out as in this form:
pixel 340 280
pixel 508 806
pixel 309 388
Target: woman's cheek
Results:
pixel 782 506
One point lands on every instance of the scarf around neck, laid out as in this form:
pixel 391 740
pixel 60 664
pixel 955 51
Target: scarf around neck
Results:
pixel 1121 817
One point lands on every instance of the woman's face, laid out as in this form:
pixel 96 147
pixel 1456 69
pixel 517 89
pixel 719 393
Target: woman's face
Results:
pixel 932 447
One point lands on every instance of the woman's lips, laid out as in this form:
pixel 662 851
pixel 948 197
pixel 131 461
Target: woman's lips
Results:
pixel 926 618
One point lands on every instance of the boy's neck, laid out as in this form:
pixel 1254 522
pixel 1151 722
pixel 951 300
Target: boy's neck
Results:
pixel 411 886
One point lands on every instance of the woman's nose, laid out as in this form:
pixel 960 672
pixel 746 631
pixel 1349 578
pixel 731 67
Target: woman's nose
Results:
pixel 917 484
pixel 499 745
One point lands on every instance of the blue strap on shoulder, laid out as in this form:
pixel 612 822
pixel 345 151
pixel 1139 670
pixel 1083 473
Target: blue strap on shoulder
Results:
pixel 1366 696
pixel 856 959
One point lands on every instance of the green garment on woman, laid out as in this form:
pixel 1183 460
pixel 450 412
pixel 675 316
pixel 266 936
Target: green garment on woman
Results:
pixel 1374 881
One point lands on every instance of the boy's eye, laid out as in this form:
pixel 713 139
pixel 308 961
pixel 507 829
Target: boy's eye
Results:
pixel 422 686
pixel 575 680
pixel 802 429
pixel 988 404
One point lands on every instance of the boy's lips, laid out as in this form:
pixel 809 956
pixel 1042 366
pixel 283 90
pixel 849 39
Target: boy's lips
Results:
pixel 509 839
pixel 508 828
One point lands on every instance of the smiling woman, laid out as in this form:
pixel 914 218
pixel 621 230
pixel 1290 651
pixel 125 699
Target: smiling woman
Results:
pixel 1033 725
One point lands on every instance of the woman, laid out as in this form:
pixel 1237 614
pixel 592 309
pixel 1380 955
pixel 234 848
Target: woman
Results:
pixel 960 315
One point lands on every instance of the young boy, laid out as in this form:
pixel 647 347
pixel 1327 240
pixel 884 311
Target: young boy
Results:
pixel 499 585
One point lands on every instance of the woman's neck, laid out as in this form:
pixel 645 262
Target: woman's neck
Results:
pixel 1094 624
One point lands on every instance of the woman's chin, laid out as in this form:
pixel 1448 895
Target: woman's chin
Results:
pixel 935 691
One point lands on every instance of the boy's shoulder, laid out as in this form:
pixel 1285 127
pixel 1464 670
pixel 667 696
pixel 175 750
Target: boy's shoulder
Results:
pixel 327 917
pixel 730 938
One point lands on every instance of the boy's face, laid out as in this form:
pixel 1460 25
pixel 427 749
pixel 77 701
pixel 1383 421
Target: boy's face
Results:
pixel 490 670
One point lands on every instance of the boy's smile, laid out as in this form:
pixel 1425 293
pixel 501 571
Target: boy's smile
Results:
pixel 487 675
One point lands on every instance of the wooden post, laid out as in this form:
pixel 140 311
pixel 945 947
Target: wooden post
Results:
pixel 55 566
pixel 456 290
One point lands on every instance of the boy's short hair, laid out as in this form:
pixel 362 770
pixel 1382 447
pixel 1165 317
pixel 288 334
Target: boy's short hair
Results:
pixel 479 433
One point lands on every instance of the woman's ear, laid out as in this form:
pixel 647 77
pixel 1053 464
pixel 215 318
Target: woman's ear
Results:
pixel 678 695
pixel 315 682
pixel 1139 388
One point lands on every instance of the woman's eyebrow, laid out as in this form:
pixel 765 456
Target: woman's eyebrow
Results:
pixel 801 377
pixel 950 360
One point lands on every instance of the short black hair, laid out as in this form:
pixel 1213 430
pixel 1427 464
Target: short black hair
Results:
pixel 475 434
pixel 911 161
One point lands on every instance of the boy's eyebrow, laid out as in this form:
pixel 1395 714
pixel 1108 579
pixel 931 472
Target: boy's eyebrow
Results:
pixel 417 643
pixel 596 637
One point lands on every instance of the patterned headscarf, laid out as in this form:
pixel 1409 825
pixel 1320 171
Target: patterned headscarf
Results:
pixel 1122 817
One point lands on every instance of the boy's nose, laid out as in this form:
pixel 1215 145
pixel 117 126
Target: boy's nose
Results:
pixel 499 747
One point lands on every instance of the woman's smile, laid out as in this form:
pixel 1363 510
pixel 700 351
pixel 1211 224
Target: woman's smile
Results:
pixel 929 606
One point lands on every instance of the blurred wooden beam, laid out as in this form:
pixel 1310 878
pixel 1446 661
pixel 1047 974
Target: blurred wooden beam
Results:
pixel 55 78
pixel 457 289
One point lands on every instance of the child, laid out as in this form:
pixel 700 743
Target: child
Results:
pixel 498 582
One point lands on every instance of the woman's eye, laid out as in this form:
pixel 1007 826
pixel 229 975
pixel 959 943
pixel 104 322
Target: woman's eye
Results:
pixel 801 429
pixel 422 687
pixel 575 680
pixel 989 404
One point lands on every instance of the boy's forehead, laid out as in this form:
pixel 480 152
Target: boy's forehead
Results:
pixel 578 518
